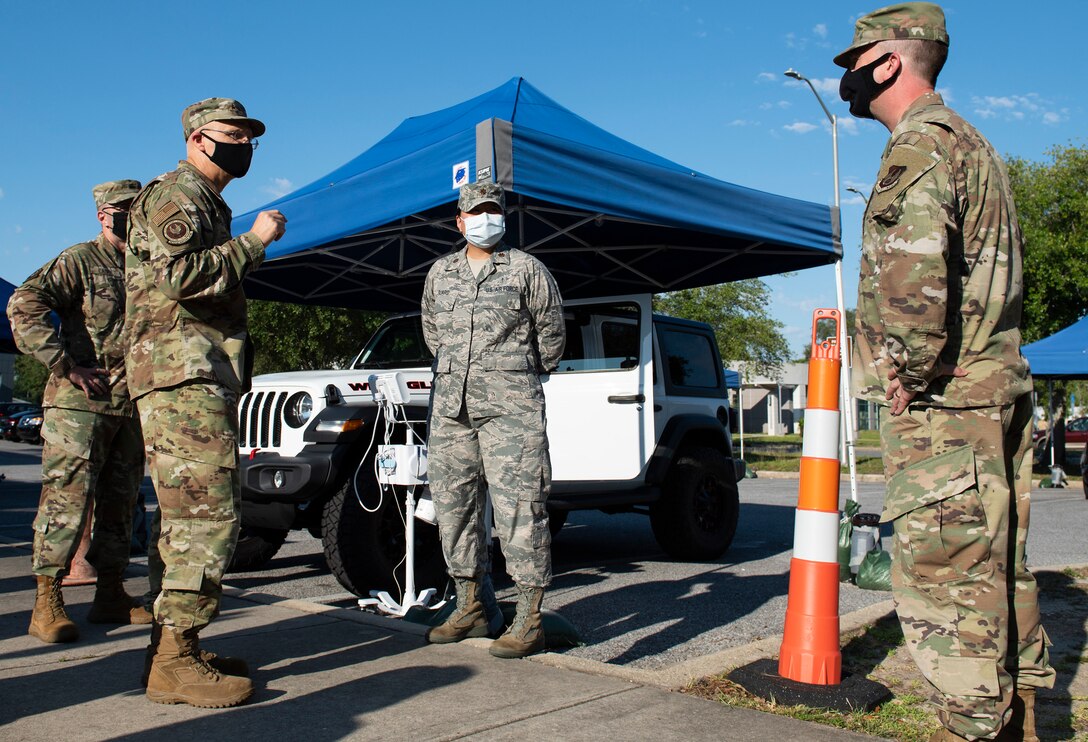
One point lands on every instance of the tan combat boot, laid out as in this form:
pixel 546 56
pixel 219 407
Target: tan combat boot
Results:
pixel 49 621
pixel 946 735
pixel 113 605
pixel 179 675
pixel 224 665
pixel 526 634
pixel 1021 726
pixel 470 618
pixel 1026 696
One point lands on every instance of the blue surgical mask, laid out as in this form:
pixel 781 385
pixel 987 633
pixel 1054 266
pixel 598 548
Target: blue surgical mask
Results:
pixel 484 230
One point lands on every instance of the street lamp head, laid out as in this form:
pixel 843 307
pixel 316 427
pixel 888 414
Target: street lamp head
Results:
pixel 791 72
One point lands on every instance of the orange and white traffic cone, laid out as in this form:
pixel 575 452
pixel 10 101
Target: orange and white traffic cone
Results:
pixel 810 645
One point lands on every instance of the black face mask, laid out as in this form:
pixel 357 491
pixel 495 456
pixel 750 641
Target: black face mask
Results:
pixel 234 159
pixel 120 225
pixel 858 88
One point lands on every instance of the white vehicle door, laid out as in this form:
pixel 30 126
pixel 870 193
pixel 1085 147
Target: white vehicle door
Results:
pixel 600 399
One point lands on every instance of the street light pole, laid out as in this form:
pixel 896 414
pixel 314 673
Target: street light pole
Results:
pixel 844 380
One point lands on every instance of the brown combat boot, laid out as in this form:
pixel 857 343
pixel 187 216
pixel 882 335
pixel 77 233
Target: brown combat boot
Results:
pixel 49 621
pixel 946 735
pixel 526 634
pixel 179 675
pixel 113 605
pixel 470 618
pixel 224 665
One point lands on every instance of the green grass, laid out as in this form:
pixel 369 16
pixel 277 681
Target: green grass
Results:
pixel 783 453
pixel 905 718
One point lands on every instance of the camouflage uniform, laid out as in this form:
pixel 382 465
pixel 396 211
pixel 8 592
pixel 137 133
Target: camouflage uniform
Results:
pixel 92 446
pixel 492 336
pixel 941 286
pixel 189 357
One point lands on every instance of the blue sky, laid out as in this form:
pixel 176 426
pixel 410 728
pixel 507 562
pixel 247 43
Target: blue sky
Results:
pixel 92 93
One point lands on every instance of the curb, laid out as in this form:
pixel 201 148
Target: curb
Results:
pixel 760 474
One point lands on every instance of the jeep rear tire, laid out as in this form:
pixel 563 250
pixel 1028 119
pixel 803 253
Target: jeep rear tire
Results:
pixel 696 517
pixel 256 547
pixel 364 550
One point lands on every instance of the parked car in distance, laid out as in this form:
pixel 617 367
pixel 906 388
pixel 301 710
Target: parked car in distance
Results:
pixel 8 423
pixel 1076 430
pixel 29 427
pixel 10 408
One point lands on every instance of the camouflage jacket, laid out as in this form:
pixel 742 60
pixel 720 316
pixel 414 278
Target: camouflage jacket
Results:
pixel 85 286
pixel 186 314
pixel 941 267
pixel 507 324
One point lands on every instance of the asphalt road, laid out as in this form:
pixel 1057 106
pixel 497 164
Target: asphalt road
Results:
pixel 632 605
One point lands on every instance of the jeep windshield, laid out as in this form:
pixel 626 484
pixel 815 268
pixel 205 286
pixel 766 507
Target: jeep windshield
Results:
pixel 397 344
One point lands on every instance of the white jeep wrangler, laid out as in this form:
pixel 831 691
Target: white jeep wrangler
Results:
pixel 638 420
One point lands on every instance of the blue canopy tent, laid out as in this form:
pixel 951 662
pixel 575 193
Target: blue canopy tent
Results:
pixel 1063 355
pixel 605 216
pixel 7 340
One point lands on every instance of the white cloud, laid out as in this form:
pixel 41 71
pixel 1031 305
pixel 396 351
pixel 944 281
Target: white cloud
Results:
pixel 1 192
pixel 18 229
pixel 766 77
pixel 827 85
pixel 820 29
pixel 1027 107
pixel 743 122
pixel 849 125
pixel 278 187
pixel 800 127
pixel 946 93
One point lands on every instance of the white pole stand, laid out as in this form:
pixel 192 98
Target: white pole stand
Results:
pixel 385 602
pixel 400 471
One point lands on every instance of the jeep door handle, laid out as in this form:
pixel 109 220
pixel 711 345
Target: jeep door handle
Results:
pixel 627 398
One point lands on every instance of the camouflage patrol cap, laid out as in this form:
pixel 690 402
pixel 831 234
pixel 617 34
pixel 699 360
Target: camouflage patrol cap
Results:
pixel 482 191
pixel 923 21
pixel 217 109
pixel 115 192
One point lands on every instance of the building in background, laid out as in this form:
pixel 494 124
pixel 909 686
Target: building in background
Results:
pixel 776 405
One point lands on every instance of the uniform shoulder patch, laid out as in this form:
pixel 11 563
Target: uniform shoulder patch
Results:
pixel 166 211
pixel 177 231
pixel 902 167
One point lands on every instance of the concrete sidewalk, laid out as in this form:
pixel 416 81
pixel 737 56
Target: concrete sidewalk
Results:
pixel 325 673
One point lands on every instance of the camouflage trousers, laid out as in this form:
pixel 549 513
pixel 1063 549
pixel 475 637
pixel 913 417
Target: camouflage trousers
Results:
pixel 85 456
pixel 959 498
pixel 190 433
pixel 508 453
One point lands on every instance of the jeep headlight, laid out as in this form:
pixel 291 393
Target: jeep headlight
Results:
pixel 298 409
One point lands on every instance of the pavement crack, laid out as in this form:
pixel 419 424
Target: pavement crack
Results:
pixel 526 717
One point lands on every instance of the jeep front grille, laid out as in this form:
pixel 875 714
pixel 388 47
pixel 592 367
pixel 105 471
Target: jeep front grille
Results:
pixel 260 419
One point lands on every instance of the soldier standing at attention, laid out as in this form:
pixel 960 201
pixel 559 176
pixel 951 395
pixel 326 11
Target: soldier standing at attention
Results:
pixel 93 449
pixel 493 318
pixel 189 358
pixel 938 343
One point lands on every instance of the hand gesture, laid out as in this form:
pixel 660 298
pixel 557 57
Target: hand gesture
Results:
pixel 93 381
pixel 900 398
pixel 269 226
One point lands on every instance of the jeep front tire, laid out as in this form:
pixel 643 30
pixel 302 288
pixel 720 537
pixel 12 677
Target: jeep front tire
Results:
pixel 696 517
pixel 365 550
